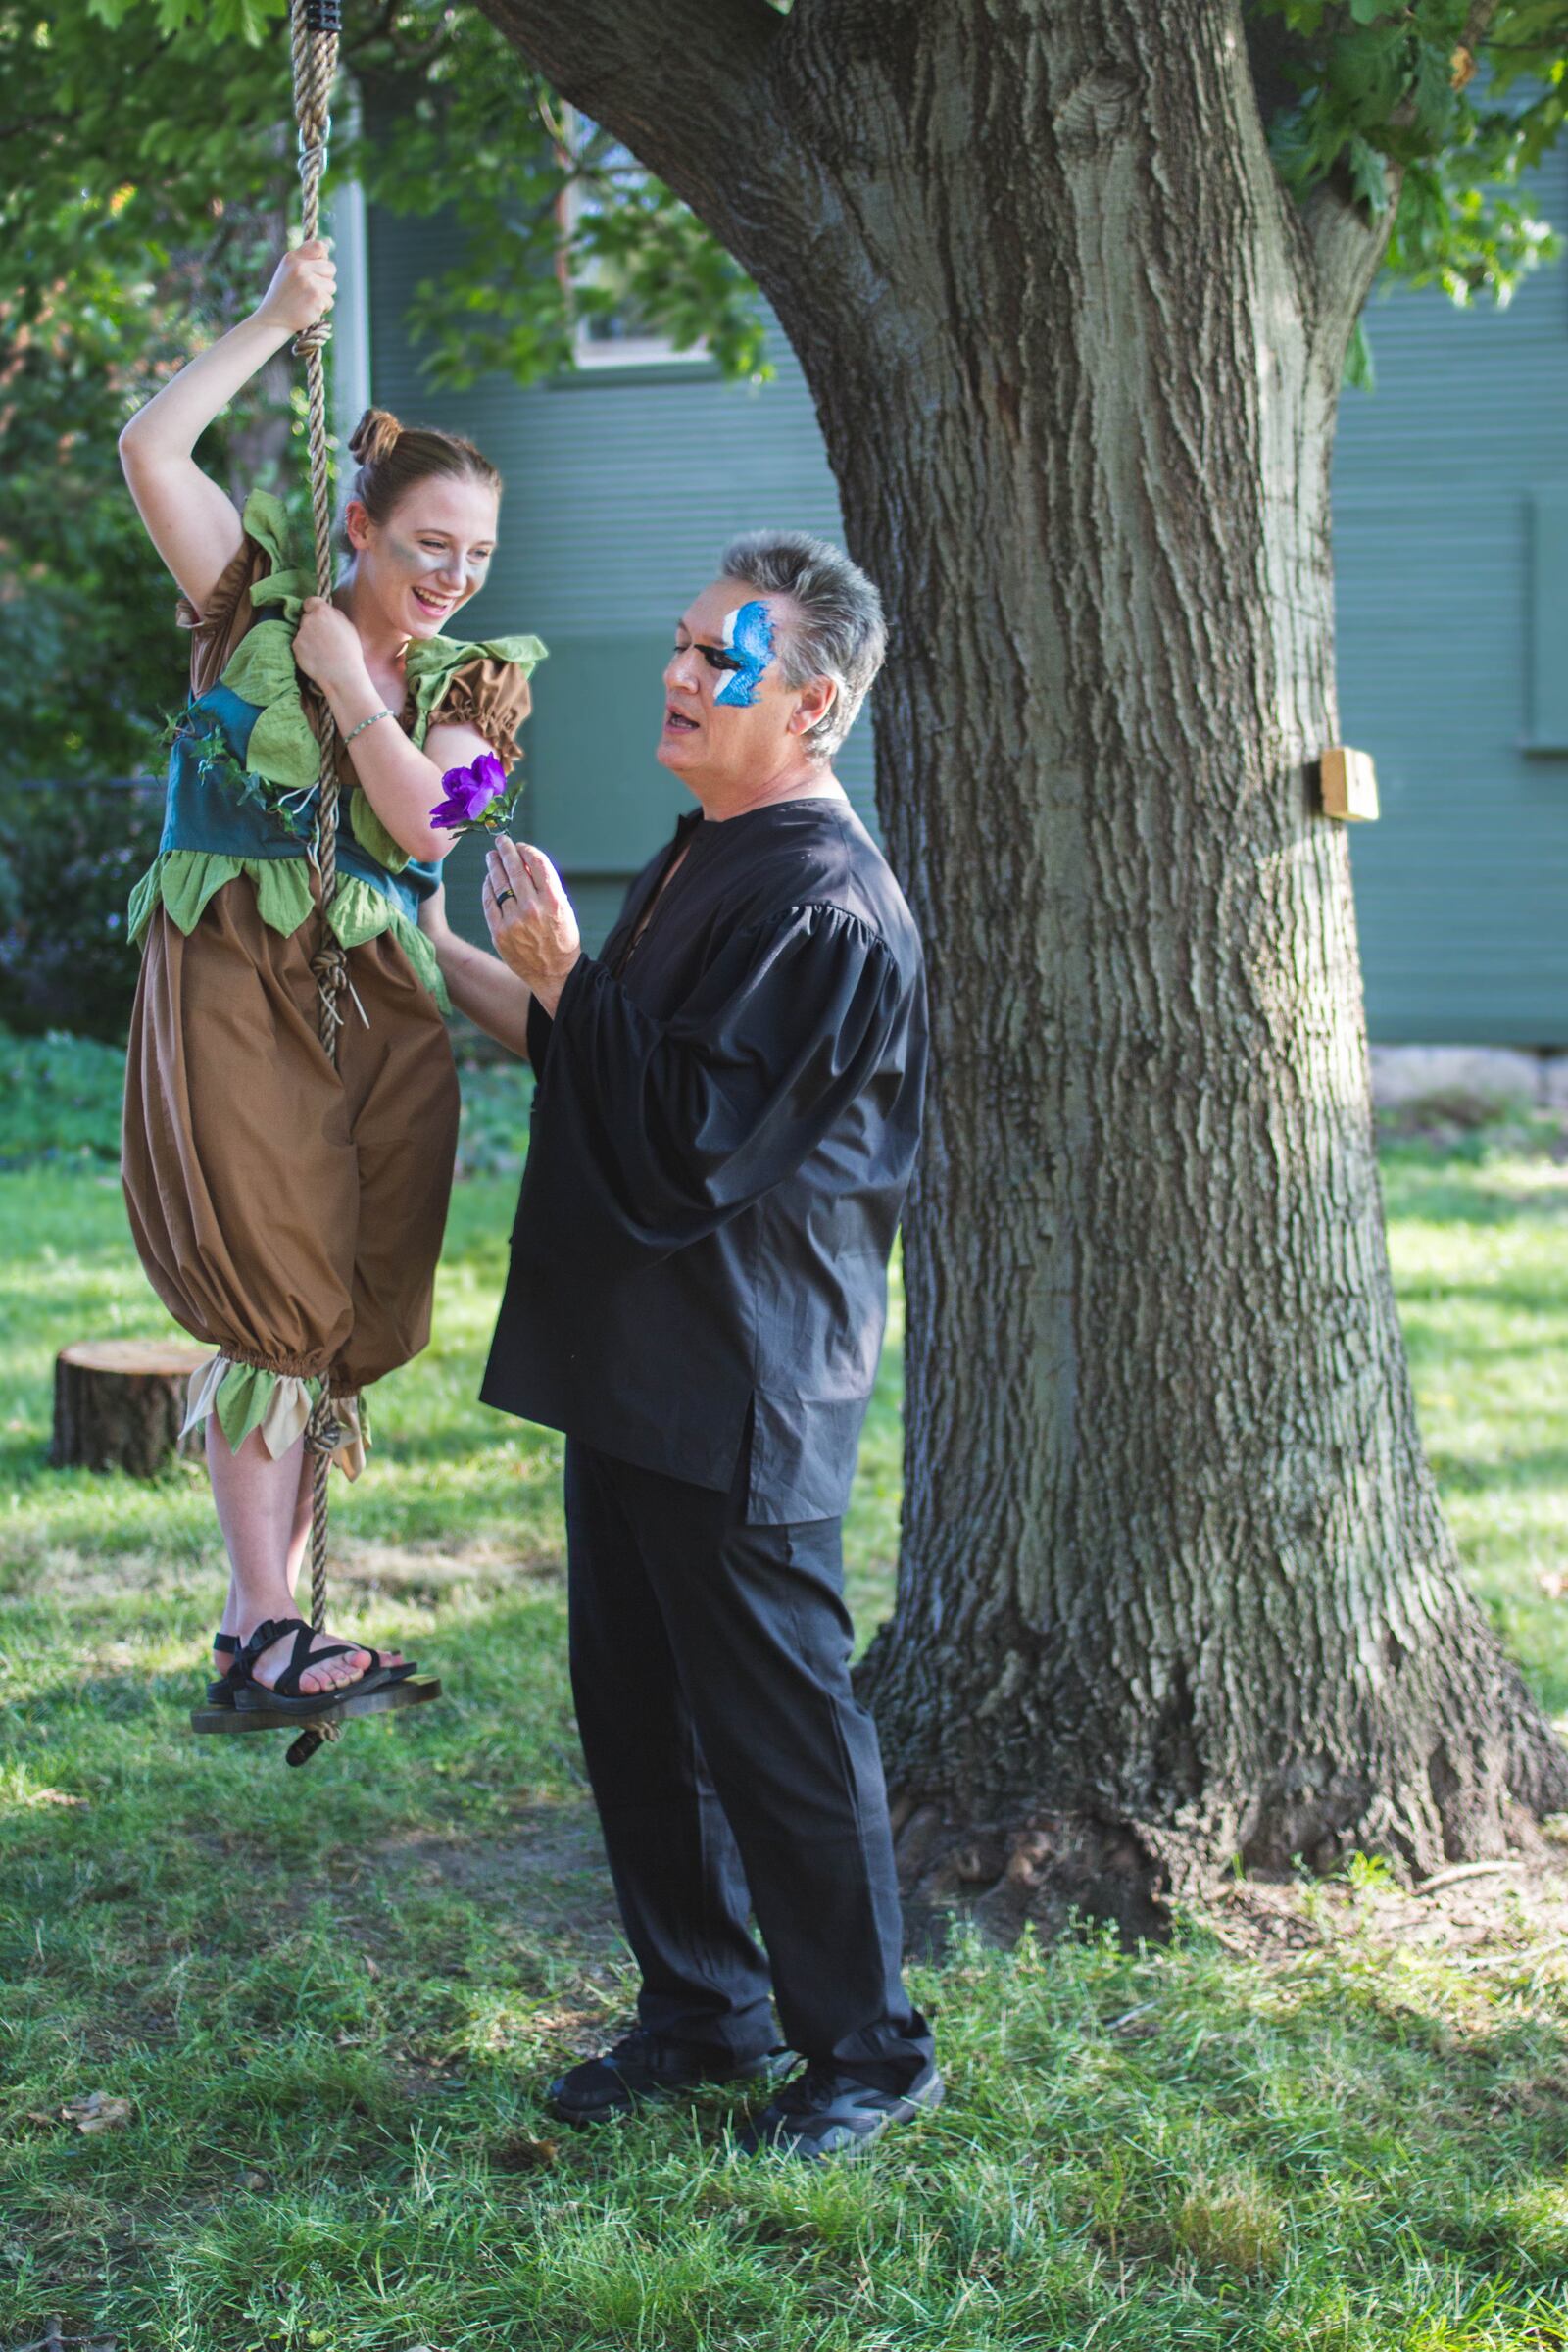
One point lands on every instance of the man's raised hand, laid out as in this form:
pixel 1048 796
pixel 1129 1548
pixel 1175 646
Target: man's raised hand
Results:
pixel 533 926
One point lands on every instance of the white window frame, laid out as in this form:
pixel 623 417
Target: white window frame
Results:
pixel 625 351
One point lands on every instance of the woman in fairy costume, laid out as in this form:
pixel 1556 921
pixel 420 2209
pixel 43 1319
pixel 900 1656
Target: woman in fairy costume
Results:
pixel 289 1211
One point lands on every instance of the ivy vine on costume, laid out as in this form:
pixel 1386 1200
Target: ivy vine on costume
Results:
pixel 288 1212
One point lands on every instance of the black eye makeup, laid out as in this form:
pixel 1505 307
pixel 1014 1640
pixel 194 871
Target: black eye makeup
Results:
pixel 713 654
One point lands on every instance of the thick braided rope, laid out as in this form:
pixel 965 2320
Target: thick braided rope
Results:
pixel 313 37
pixel 322 1438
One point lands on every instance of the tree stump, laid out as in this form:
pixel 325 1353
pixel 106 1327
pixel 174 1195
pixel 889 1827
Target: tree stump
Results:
pixel 119 1403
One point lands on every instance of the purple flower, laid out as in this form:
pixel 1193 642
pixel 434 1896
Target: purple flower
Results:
pixel 469 792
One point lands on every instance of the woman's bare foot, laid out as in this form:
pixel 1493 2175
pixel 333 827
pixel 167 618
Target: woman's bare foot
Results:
pixel 331 1674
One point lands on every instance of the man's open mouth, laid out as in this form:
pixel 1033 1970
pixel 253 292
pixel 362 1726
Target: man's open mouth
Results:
pixel 677 722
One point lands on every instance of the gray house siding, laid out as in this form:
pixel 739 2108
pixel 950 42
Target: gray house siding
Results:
pixel 1450 495
pixel 1452 562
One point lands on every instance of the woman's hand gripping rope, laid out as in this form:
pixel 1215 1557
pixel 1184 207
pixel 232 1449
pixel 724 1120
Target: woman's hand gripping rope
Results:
pixel 303 289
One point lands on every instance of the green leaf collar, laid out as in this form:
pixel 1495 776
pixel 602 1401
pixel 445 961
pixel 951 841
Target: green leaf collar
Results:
pixel 431 665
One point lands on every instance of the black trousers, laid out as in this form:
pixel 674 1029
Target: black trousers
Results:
pixel 734 1772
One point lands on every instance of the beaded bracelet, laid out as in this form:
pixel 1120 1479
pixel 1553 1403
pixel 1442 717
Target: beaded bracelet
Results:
pixel 367 722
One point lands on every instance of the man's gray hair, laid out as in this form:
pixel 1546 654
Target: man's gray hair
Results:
pixel 839 631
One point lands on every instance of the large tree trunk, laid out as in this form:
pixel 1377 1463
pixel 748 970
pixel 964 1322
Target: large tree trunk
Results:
pixel 1175 1585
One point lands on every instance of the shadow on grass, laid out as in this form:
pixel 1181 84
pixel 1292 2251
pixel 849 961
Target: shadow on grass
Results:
pixel 337 2085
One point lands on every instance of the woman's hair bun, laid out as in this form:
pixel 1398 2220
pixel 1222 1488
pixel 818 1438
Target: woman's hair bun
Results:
pixel 393 459
pixel 374 437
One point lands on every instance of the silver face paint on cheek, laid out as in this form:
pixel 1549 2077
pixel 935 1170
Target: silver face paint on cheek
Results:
pixel 418 561
pixel 430 571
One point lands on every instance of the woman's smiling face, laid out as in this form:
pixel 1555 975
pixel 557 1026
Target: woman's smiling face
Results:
pixel 430 555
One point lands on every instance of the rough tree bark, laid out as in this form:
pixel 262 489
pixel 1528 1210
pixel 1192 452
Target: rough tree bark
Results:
pixel 1175 1585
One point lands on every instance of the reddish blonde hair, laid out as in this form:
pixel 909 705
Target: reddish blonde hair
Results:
pixel 393 459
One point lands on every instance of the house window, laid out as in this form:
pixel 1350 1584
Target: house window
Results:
pixel 1548 621
pixel 609 330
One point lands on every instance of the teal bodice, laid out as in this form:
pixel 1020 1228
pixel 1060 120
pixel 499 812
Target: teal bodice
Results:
pixel 208 807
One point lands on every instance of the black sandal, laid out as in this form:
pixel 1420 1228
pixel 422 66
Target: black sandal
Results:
pixel 221 1692
pixel 286 1697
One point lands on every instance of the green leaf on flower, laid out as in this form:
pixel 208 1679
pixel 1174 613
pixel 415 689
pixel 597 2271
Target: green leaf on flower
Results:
pixel 262 668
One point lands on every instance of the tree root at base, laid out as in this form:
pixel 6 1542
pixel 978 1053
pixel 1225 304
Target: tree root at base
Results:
pixel 1006 1868
pixel 1038 1871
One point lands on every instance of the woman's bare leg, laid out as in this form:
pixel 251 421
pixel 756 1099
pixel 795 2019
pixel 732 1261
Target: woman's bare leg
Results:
pixel 259 1501
pixel 299 1539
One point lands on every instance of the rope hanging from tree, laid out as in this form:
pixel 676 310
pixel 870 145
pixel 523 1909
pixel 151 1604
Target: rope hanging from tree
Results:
pixel 313 26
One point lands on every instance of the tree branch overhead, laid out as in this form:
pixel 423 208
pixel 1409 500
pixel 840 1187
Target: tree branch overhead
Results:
pixel 1349 241
pixel 1347 244
pixel 679 86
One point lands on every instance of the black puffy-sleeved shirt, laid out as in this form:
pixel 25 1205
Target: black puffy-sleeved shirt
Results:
pixel 724 1126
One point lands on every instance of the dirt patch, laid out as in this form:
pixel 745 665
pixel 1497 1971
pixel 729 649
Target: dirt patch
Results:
pixel 422 1574
pixel 426 1573
pixel 1482 1920
pixel 1479 1917
pixel 1482 1917
pixel 552 1868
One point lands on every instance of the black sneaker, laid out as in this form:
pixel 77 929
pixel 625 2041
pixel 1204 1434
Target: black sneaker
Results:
pixel 644 2065
pixel 823 2113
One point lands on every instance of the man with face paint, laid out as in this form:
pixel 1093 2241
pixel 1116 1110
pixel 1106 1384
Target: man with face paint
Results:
pixel 726 1122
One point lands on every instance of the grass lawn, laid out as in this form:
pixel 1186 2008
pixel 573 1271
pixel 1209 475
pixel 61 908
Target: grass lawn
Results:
pixel 1325 2117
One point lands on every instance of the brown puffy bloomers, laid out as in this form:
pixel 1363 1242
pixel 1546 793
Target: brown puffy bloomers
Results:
pixel 289 1210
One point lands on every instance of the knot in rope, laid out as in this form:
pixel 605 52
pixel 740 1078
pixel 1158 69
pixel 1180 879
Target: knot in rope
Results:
pixel 323 1432
pixel 330 969
pixel 313 1735
pixel 313 44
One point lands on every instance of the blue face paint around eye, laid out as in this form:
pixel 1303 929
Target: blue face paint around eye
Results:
pixel 748 637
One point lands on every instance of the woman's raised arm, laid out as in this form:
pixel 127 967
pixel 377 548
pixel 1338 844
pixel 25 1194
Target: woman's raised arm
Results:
pixel 190 520
pixel 479 983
